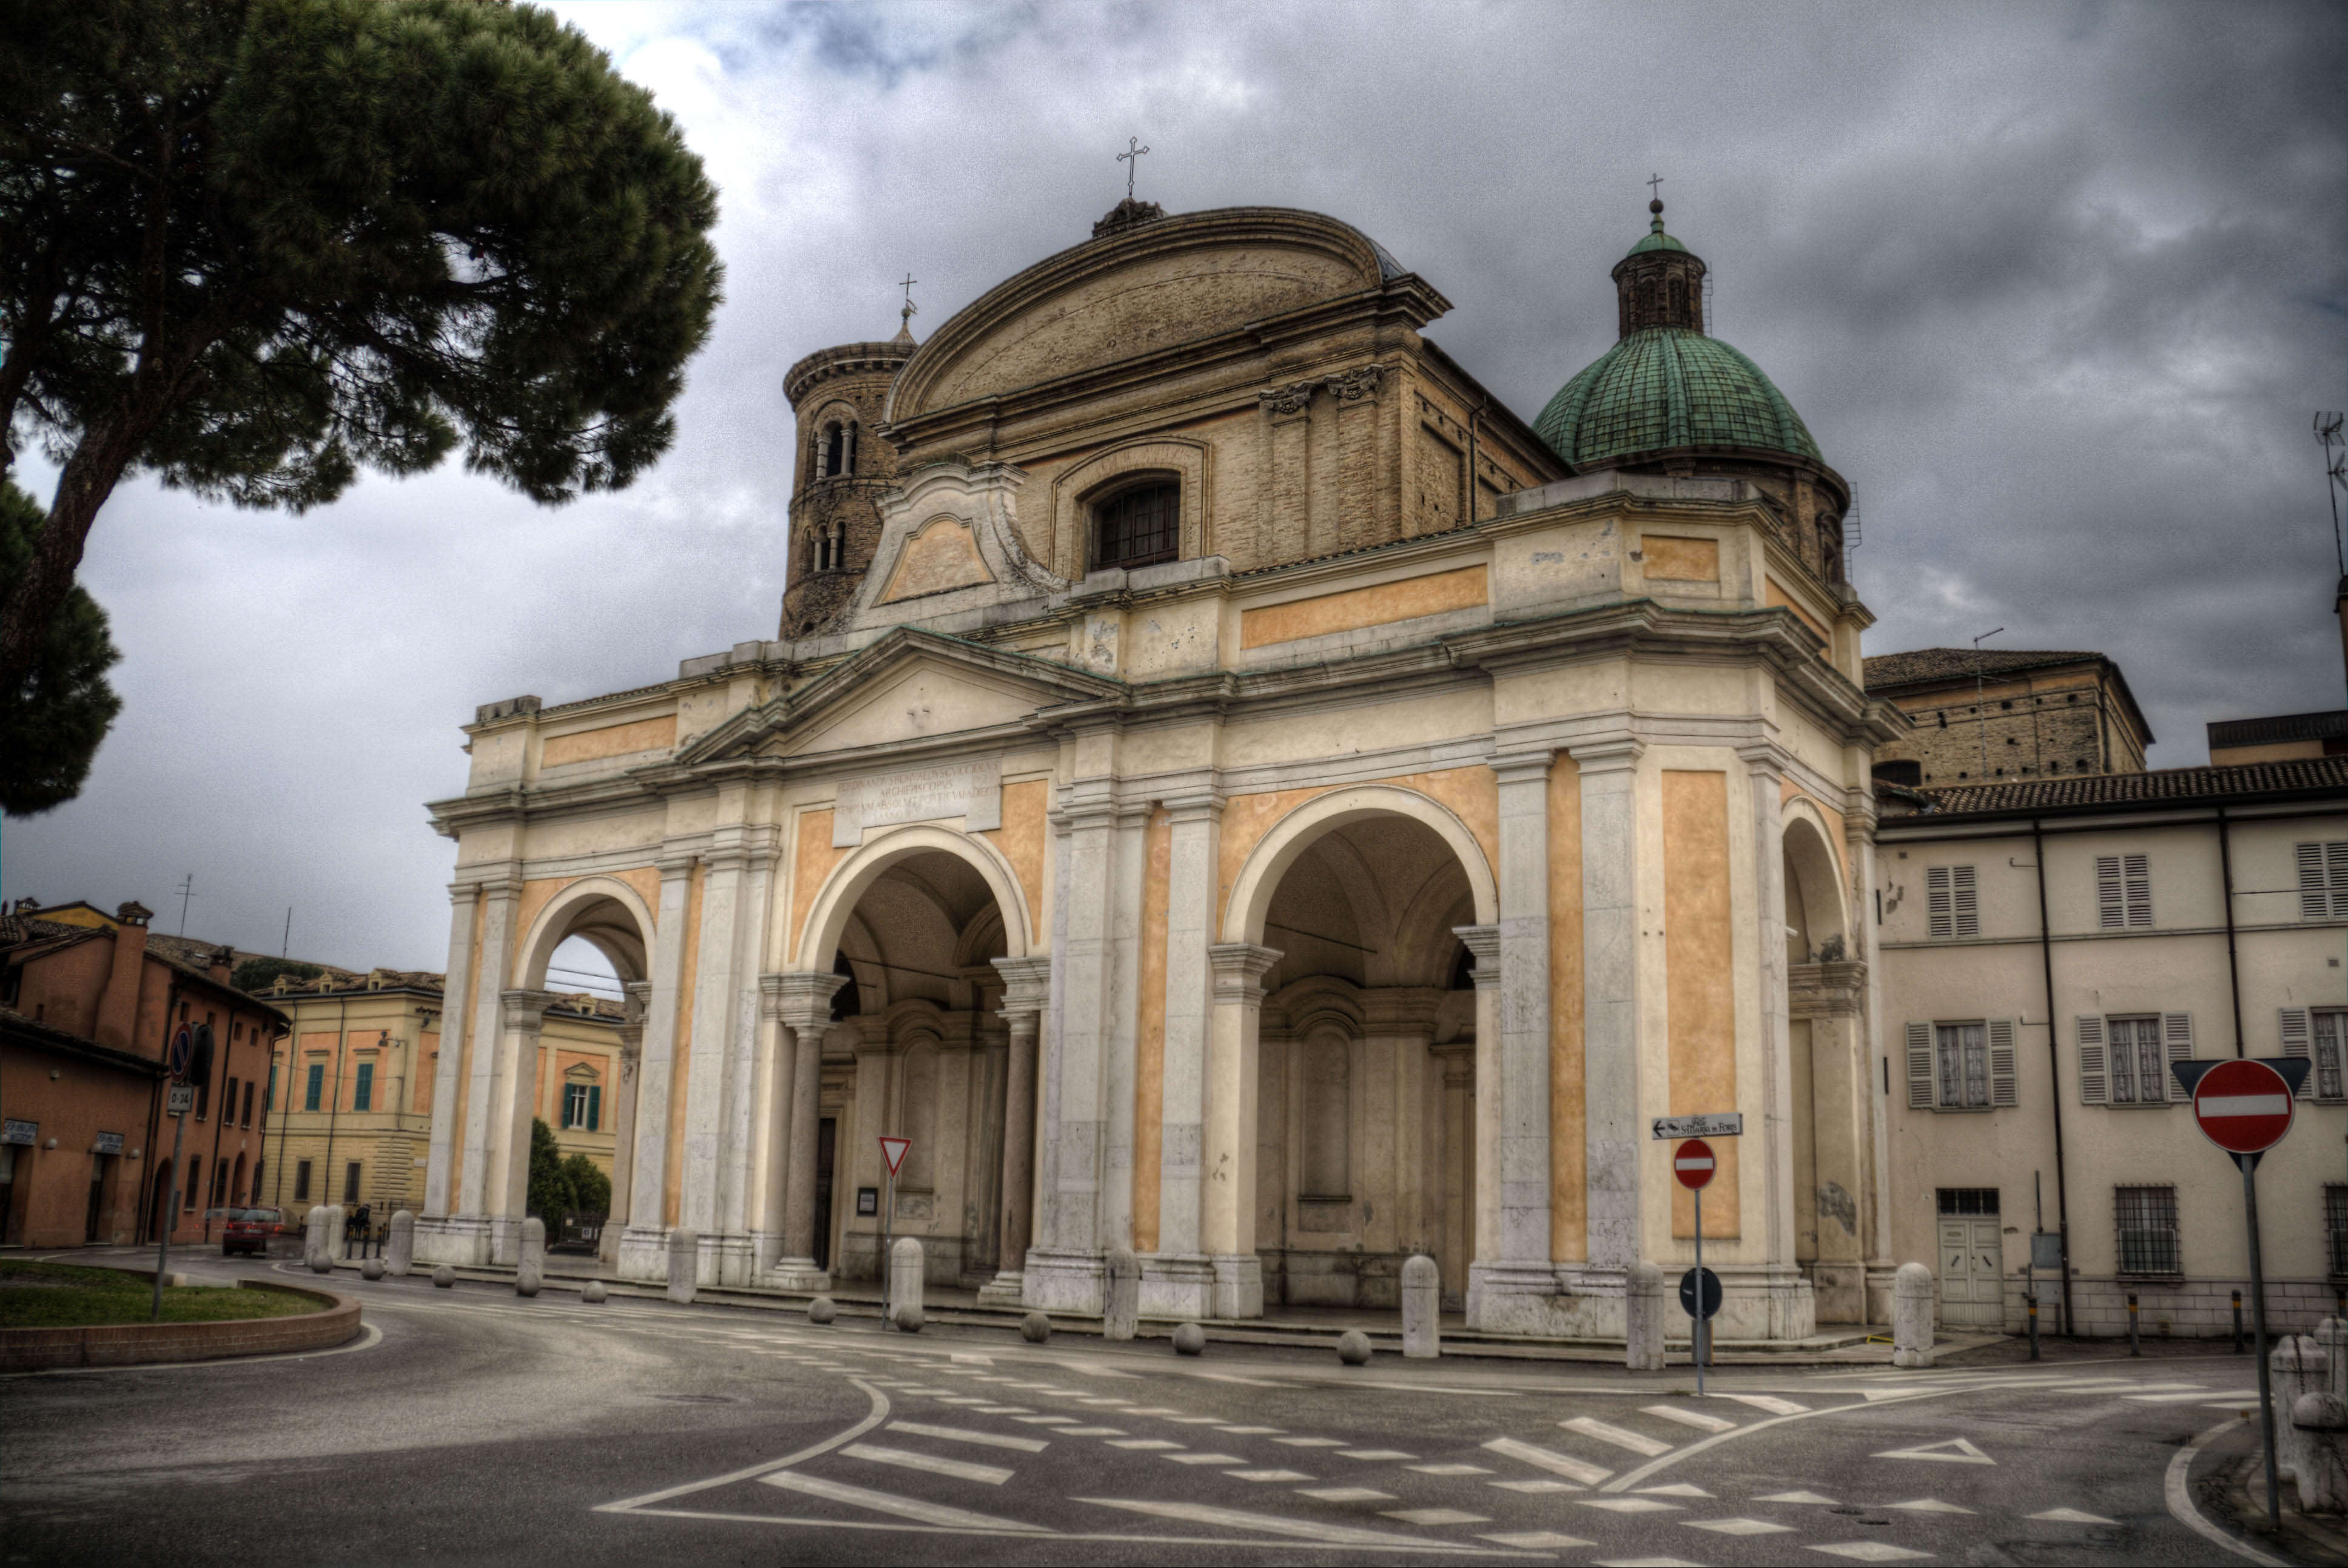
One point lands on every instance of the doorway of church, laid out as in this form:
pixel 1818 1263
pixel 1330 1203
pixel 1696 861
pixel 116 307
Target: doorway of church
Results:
pixel 1366 1107
pixel 918 1050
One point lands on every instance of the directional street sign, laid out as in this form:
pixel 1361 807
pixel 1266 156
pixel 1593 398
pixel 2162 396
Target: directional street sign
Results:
pixel 1709 1302
pixel 1728 1124
pixel 179 1099
pixel 893 1150
pixel 1692 1163
pixel 2243 1107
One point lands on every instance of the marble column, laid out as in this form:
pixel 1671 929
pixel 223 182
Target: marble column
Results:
pixel 1520 1138
pixel 624 1115
pixel 1789 1303
pixel 476 1198
pixel 1026 988
pixel 748 1087
pixel 803 1012
pixel 1064 1269
pixel 1616 1138
pixel 709 1080
pixel 520 1014
pixel 1228 1204
pixel 643 1244
pixel 464 900
pixel 1178 1280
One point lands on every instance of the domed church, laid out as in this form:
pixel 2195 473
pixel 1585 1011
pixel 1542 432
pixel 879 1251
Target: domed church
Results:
pixel 1224 786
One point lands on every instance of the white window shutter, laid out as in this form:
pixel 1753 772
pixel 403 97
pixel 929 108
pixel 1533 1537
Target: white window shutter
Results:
pixel 2294 1032
pixel 1919 1067
pixel 1967 909
pixel 2137 877
pixel 1939 923
pixel 2313 904
pixel 2003 1089
pixel 2176 1036
pixel 2110 912
pixel 2335 868
pixel 2095 1075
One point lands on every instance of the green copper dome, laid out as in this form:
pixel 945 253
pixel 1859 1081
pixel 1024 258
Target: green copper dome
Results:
pixel 1669 387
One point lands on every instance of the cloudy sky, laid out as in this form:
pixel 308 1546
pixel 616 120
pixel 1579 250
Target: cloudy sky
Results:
pixel 2056 286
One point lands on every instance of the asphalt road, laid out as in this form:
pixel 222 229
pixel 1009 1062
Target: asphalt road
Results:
pixel 475 1426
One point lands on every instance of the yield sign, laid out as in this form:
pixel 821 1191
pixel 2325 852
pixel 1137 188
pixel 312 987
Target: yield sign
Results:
pixel 2243 1107
pixel 1692 1163
pixel 893 1150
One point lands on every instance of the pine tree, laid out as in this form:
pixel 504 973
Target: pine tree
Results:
pixel 254 246
pixel 48 737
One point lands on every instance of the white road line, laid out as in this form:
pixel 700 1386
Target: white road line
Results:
pixel 957 1435
pixel 1627 1504
pixel 1435 1516
pixel 1045 1420
pixel 1796 1497
pixel 2228 1396
pixel 1346 1494
pixel 2177 1491
pixel 1949 1450
pixel 1310 1443
pixel 933 1464
pixel 1092 1431
pixel 1738 1526
pixel 1191 1420
pixel 1871 1552
pixel 1450 1469
pixel 1534 1486
pixel 887 1502
pixel 1637 1442
pixel 1204 1458
pixel 1268 1475
pixel 1696 1418
pixel 1388 1454
pixel 1924 1505
pixel 1535 1540
pixel 1235 1519
pixel 2070 1516
pixel 1148 1444
pixel 1250 1431
pixel 1556 1463
pixel 1677 1488
pixel 879 1413
pixel 1770 1403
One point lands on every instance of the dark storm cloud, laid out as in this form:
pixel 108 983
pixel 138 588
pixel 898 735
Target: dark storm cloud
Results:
pixel 2057 287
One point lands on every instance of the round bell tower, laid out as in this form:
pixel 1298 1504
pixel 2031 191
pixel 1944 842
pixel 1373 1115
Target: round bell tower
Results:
pixel 843 467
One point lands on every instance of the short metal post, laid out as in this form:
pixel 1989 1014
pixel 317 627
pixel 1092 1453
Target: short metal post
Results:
pixel 2237 1323
pixel 2135 1346
pixel 2249 1164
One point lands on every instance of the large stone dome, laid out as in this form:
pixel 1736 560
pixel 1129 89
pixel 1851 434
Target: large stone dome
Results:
pixel 1665 388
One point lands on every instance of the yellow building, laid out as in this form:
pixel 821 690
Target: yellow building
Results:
pixel 351 1087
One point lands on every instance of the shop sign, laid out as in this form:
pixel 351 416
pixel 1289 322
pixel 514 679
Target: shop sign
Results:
pixel 108 1143
pixel 25 1132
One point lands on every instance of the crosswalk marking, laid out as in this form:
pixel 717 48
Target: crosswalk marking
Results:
pixel 1151 1444
pixel 1451 1469
pixel 1796 1497
pixel 1204 1458
pixel 1556 1463
pixel 1535 1540
pixel 2224 1397
pixel 1045 1420
pixel 1436 1516
pixel 1871 1551
pixel 1949 1450
pixel 886 1502
pixel 1092 1431
pixel 959 1435
pixel 1260 1475
pixel 934 1464
pixel 1626 1504
pixel 2070 1516
pixel 1237 1519
pixel 1248 1431
pixel 1389 1454
pixel 1769 1402
pixel 1346 1494
pixel 1310 1443
pixel 1534 1486
pixel 1738 1526
pixel 1675 1489
pixel 1621 1437
pixel 1696 1418
pixel 1925 1505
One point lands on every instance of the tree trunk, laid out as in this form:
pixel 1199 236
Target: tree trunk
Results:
pixel 98 463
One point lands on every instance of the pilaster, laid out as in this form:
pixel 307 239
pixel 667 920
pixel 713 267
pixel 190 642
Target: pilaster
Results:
pixel 1228 1231
pixel 464 900
pixel 643 1244
pixel 1027 988
pixel 800 1004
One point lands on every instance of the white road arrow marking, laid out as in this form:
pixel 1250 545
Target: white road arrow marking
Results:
pixel 1955 1451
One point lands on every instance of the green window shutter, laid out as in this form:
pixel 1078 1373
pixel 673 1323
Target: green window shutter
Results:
pixel 2002 1088
pixel 2176 1037
pixel 594 1107
pixel 2095 1074
pixel 2294 1032
pixel 363 1091
pixel 2111 913
pixel 317 1088
pixel 1919 1067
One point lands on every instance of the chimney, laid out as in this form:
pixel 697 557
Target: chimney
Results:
pixel 222 961
pixel 118 1009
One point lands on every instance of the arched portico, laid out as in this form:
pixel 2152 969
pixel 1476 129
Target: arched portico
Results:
pixel 835 902
pixel 1259 874
pixel 1832 1147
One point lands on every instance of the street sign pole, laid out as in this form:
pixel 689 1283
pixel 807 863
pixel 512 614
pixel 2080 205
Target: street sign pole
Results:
pixel 2249 1164
pixel 171 1215
pixel 887 1224
pixel 1702 1341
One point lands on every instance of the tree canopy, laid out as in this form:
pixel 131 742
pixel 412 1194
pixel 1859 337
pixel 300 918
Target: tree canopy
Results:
pixel 559 1186
pixel 49 735
pixel 254 246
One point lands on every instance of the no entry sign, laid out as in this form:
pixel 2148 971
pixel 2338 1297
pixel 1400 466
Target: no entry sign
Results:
pixel 893 1150
pixel 2243 1107
pixel 1692 1163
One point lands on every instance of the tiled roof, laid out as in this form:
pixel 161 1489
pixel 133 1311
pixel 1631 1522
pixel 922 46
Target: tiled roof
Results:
pixel 2286 726
pixel 1666 388
pixel 1919 666
pixel 2169 786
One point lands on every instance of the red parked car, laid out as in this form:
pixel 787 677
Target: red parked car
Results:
pixel 249 1230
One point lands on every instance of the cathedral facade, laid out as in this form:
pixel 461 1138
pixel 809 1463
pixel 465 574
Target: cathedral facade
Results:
pixel 1226 787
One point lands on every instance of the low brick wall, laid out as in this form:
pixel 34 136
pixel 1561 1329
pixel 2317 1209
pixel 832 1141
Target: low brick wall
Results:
pixel 136 1343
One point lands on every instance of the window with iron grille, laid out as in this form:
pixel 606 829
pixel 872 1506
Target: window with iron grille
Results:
pixel 1951 910
pixel 301 1180
pixel 2322 1034
pixel 2126 1060
pixel 351 1182
pixel 2123 892
pixel 1969 1201
pixel 2148 1227
pixel 1137 527
pixel 2336 1228
pixel 2323 881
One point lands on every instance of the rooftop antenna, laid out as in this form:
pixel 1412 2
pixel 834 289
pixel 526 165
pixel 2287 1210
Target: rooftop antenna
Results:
pixel 2335 471
pixel 186 890
pixel 1981 704
pixel 287 951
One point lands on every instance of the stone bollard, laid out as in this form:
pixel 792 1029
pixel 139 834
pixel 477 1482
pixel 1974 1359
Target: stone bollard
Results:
pixel 822 1310
pixel 2321 1421
pixel 1189 1339
pixel 907 1316
pixel 684 1264
pixel 311 1221
pixel 594 1292
pixel 401 1255
pixel 906 1282
pixel 1644 1292
pixel 2297 1366
pixel 325 1238
pixel 1122 1317
pixel 444 1278
pixel 1353 1347
pixel 371 1269
pixel 1034 1328
pixel 1422 1307
pixel 529 1275
pixel 1912 1317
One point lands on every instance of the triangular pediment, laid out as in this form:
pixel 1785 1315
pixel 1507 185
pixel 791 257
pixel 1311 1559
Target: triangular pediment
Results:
pixel 909 686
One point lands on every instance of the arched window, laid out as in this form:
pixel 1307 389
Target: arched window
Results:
pixel 1831 546
pixel 1139 526
pixel 838 452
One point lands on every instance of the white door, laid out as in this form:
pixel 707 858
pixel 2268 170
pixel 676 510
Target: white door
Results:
pixel 1972 1286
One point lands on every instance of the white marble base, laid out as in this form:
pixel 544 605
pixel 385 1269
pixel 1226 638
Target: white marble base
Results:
pixel 729 1258
pixel 1239 1285
pixel 1070 1282
pixel 505 1241
pixel 1005 1289
pixel 643 1254
pixel 462 1240
pixel 1179 1285
pixel 1536 1298
pixel 798 1274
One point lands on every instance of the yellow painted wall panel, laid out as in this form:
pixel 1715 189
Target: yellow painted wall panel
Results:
pixel 1350 611
pixel 1681 560
pixel 612 741
pixel 1569 1217
pixel 1700 984
pixel 1150 1043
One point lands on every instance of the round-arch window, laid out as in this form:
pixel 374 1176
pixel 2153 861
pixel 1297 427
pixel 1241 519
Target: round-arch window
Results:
pixel 1137 527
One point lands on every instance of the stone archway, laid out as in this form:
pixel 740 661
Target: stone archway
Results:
pixel 1832 1150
